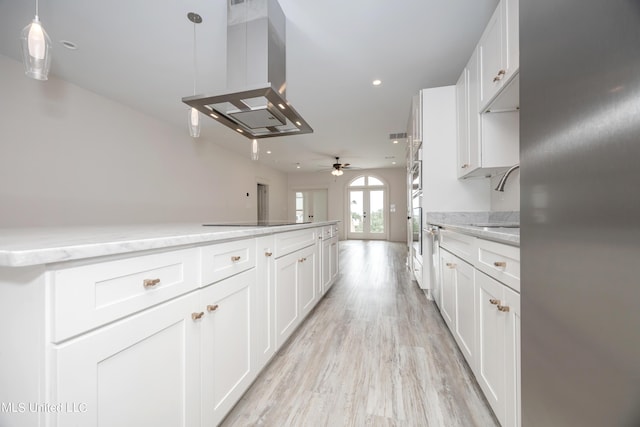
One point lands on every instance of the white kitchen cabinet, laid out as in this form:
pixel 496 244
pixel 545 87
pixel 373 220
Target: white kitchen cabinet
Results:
pixel 296 276
pixel 498 51
pixel 448 292
pixel 143 370
pixel 329 261
pixel 169 337
pixel 307 279
pixel 264 346
pixel 468 119
pixel 498 343
pixel 227 310
pixel 334 256
pixel 286 297
pixel 459 303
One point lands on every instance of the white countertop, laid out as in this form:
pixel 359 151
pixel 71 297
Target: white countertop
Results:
pixel 34 246
pixel 508 235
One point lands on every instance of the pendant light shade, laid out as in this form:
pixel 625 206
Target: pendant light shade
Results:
pixel 194 115
pixel 36 50
pixel 194 123
pixel 255 150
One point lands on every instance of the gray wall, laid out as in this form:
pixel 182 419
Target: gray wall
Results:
pixel 71 157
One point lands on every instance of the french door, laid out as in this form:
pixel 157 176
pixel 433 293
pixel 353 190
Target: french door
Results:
pixel 367 213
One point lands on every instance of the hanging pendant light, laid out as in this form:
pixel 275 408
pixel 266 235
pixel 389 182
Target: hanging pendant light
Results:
pixel 36 49
pixel 255 150
pixel 194 115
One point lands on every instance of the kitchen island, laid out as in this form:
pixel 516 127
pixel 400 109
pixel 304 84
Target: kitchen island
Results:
pixel 164 325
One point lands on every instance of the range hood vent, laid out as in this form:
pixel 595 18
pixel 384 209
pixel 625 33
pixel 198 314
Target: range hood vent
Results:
pixel 256 59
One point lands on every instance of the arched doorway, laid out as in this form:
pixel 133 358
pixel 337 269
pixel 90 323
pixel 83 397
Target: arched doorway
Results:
pixel 367 207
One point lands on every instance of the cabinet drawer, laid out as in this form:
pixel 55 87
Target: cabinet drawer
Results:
pixel 458 244
pixel 294 240
pixel 502 262
pixel 88 296
pixel 227 259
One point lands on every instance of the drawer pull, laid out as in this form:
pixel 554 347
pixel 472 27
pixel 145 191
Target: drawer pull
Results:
pixel 464 166
pixel 211 308
pixel 500 264
pixel 268 253
pixel 495 301
pixel 150 283
pixel 499 76
pixel 450 265
pixel 503 308
pixel 235 258
pixel 196 316
pixel 302 260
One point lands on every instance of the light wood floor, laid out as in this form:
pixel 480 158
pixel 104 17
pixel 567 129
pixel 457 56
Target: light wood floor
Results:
pixel 374 352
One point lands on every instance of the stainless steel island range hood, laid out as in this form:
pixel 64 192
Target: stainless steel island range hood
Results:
pixel 256 60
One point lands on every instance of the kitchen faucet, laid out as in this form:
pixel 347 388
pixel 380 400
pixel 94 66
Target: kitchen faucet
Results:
pixel 503 180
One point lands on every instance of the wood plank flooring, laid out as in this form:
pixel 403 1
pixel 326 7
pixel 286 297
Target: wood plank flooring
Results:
pixel 374 352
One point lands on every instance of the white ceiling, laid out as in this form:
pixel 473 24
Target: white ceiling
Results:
pixel 140 53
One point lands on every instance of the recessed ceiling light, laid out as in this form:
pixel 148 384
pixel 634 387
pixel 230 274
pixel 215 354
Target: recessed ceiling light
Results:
pixel 299 124
pixel 297 165
pixel 239 130
pixel 393 163
pixel 268 151
pixel 377 82
pixel 395 141
pixel 281 106
pixel 213 115
pixel 69 45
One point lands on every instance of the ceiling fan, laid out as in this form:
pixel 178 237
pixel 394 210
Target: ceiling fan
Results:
pixel 339 167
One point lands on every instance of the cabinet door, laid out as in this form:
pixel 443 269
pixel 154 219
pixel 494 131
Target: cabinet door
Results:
pixel 448 305
pixel 264 346
pixel 475 131
pixel 512 37
pixel 286 297
pixel 512 358
pixel 490 368
pixel 140 371
pixel 462 122
pixel 325 260
pixel 465 322
pixel 307 279
pixel 490 52
pixel 333 255
pixel 226 344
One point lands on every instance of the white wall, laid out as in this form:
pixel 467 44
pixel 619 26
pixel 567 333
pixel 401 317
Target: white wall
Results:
pixel 396 180
pixel 71 157
pixel 509 200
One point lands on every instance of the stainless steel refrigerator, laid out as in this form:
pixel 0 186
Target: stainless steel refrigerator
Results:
pixel 580 212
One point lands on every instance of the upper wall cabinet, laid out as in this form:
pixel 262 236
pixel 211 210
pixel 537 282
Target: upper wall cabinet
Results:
pixel 498 51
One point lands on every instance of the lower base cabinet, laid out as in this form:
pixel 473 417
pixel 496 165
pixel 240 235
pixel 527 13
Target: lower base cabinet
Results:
pixel 498 343
pixel 225 343
pixel 142 371
pixel 295 290
pixel 483 315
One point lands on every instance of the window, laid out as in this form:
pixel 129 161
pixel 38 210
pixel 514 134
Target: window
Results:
pixel 299 207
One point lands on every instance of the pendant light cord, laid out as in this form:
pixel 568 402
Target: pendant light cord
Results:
pixel 36 9
pixel 195 65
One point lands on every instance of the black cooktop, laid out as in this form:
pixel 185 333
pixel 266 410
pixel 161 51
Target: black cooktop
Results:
pixel 254 224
